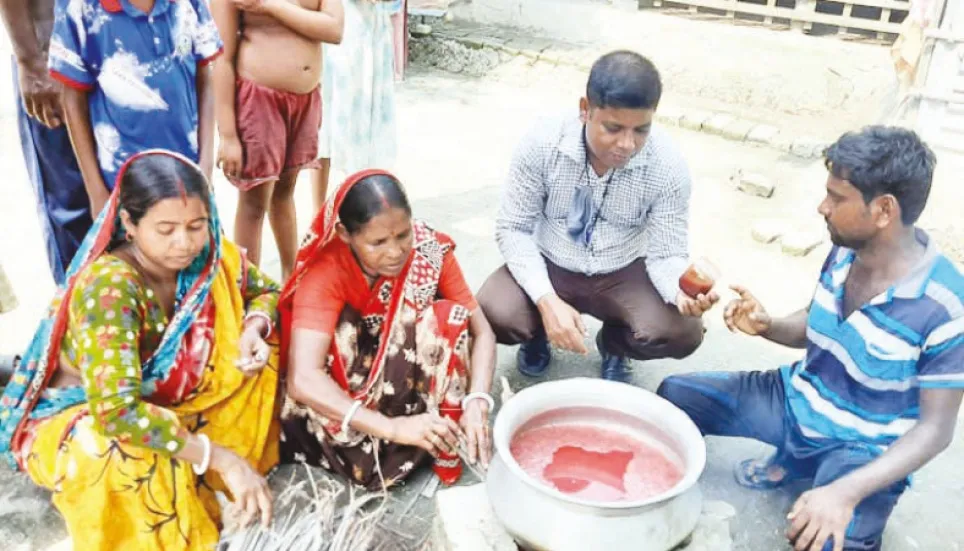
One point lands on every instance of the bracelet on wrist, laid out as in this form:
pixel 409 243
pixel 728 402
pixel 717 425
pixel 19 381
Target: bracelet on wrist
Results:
pixel 206 461
pixel 264 317
pixel 485 396
pixel 346 422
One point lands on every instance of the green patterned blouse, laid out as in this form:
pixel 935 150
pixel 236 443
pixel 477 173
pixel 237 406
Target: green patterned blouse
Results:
pixel 114 321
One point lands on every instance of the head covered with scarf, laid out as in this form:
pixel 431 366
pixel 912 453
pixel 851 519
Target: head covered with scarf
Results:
pixel 41 360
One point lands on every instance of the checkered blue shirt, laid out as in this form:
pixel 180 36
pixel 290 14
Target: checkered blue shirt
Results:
pixel 645 213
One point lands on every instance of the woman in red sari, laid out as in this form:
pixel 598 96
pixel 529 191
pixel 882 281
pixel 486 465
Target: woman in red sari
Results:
pixel 390 358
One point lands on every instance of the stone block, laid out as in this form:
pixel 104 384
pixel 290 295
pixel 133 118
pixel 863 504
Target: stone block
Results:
pixel 712 532
pixel 763 133
pixel 807 147
pixel 767 231
pixel 669 116
pixel 474 41
pixel 465 522
pixel 800 243
pixel 695 119
pixel 551 56
pixel 718 123
pixel 738 130
pixel 510 50
pixel 753 184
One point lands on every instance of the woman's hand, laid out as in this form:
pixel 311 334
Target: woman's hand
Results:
pixel 254 351
pixel 475 423
pixel 249 490
pixel 428 431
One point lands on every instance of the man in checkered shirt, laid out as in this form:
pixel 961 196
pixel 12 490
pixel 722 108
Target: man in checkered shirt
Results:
pixel 594 220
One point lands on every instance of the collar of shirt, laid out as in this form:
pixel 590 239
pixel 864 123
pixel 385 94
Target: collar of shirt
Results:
pixel 124 6
pixel 571 145
pixel 911 286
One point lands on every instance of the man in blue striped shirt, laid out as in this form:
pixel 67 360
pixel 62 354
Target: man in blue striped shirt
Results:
pixel 877 393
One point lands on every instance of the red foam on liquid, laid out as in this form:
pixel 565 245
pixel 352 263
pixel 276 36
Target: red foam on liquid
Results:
pixel 594 463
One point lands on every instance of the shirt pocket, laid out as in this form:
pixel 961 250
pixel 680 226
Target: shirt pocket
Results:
pixel 625 205
pixel 559 193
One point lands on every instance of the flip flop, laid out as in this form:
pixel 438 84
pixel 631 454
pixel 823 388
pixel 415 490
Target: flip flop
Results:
pixel 758 474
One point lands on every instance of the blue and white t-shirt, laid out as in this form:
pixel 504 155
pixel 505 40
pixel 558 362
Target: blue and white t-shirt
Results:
pixel 861 378
pixel 140 70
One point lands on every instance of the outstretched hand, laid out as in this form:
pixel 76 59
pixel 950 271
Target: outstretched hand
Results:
pixel 746 314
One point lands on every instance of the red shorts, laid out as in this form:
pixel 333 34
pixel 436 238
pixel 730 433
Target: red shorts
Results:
pixel 278 132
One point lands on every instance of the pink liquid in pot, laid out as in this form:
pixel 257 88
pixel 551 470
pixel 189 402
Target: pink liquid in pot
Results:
pixel 594 463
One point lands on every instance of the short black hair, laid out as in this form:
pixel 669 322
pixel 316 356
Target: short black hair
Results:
pixel 368 198
pixel 154 177
pixel 624 80
pixel 880 160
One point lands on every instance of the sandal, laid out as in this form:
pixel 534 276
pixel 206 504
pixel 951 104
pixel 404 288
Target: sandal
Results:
pixel 763 474
pixel 8 364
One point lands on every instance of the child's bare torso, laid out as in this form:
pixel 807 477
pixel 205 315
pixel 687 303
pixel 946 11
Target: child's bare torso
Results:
pixel 275 56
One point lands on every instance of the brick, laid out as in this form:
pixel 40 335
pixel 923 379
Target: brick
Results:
pixel 767 231
pixel 718 123
pixel 712 532
pixel 800 243
pixel 754 184
pixel 762 133
pixel 551 56
pixel 695 119
pixel 669 116
pixel 807 147
pixel 465 521
pixel 738 130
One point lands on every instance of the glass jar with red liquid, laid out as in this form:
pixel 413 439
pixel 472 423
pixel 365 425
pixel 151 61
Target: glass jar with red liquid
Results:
pixel 699 278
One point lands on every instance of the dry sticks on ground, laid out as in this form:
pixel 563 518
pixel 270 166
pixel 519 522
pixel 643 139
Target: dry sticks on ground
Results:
pixel 311 519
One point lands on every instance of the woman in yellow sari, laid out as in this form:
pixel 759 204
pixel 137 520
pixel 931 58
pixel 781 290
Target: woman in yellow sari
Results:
pixel 150 385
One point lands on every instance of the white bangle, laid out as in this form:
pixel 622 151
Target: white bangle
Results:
pixel 351 413
pixel 268 322
pixel 206 462
pixel 480 396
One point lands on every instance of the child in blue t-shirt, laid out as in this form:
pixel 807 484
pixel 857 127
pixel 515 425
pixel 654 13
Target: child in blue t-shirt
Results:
pixel 136 77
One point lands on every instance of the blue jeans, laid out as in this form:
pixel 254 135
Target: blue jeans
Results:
pixel 62 201
pixel 753 405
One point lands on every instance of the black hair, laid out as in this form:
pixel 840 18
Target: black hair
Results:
pixel 882 160
pixel 368 198
pixel 155 177
pixel 624 80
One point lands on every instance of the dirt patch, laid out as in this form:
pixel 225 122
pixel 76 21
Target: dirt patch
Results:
pixel 453 57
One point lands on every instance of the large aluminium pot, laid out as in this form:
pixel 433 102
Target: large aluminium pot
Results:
pixel 541 518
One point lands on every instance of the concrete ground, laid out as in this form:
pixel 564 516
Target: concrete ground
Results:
pixel 811 85
pixel 456 136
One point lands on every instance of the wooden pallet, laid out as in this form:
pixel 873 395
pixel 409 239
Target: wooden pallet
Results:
pixel 875 17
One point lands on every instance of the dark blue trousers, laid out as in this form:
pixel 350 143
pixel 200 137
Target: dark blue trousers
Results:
pixel 753 405
pixel 62 202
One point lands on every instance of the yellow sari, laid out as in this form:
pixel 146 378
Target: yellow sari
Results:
pixel 117 495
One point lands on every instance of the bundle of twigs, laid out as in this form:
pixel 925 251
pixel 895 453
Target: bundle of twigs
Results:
pixel 311 519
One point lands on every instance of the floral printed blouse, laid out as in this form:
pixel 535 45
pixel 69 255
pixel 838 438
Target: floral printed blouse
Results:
pixel 114 322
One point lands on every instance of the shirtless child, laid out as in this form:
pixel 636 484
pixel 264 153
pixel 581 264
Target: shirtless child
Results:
pixel 269 108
